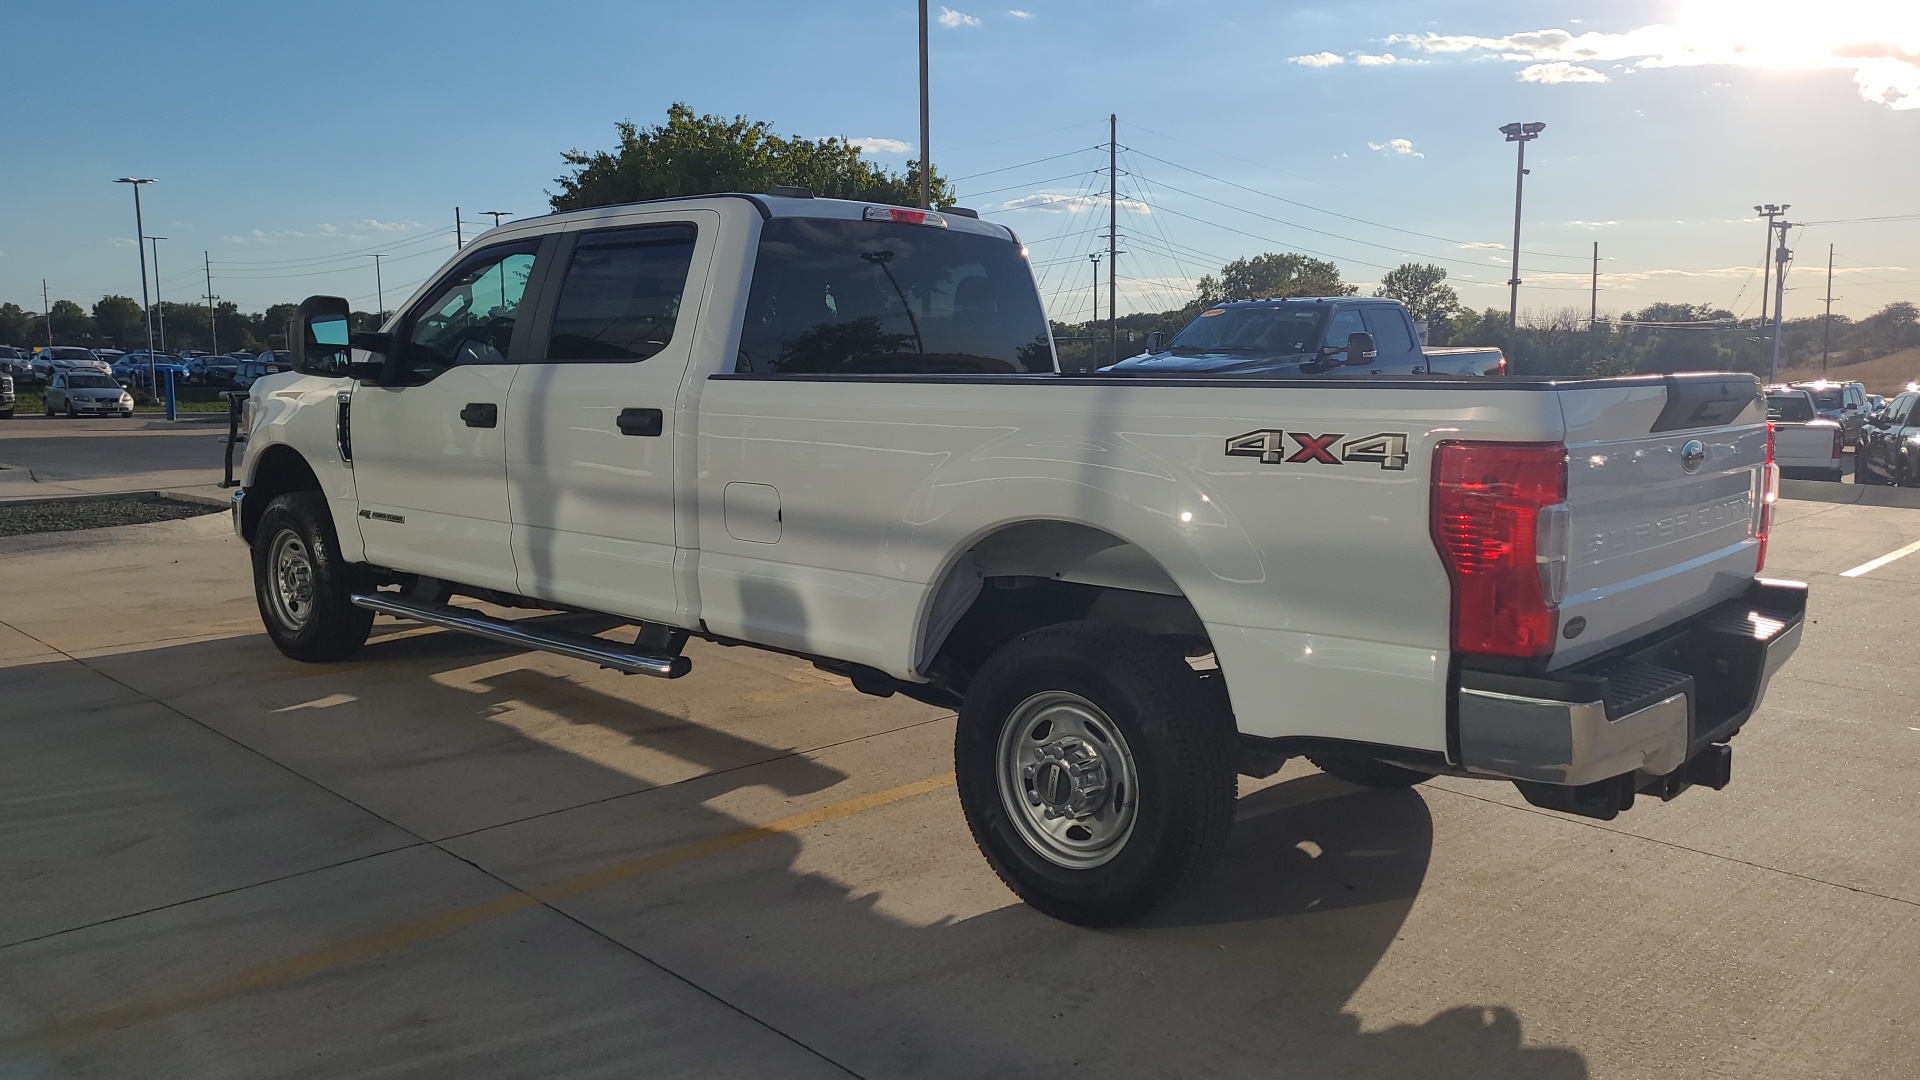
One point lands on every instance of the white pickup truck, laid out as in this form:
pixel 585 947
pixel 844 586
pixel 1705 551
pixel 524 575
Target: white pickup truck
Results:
pixel 1806 445
pixel 837 430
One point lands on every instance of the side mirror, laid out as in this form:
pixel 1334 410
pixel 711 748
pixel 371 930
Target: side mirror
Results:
pixel 1360 349
pixel 1850 407
pixel 1156 341
pixel 318 334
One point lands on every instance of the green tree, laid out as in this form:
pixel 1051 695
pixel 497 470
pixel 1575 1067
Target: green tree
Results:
pixel 116 322
pixel 700 155
pixel 1274 275
pixel 16 326
pixel 71 323
pixel 1423 288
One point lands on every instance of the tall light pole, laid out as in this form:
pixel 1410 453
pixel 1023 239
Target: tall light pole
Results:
pixel 926 169
pixel 159 305
pixel 1768 211
pixel 1522 134
pixel 1780 257
pixel 213 324
pixel 140 241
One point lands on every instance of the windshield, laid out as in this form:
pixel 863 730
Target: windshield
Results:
pixel 1254 328
pixel 1789 408
pixel 60 352
pixel 879 297
pixel 91 382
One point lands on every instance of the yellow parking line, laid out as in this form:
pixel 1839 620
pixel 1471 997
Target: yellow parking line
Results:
pixel 1875 564
pixel 313 961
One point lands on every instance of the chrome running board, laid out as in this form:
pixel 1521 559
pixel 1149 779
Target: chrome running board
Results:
pixel 607 654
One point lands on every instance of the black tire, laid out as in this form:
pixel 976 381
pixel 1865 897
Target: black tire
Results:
pixel 72 414
pixel 6 414
pixel 303 586
pixel 1151 719
pixel 1367 772
pixel 49 405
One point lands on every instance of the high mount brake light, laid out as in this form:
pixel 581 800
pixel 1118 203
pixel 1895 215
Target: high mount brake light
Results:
pixel 905 217
pixel 1500 526
pixel 1766 491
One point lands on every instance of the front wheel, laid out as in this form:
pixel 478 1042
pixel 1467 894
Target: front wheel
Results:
pixel 1095 770
pixel 303 586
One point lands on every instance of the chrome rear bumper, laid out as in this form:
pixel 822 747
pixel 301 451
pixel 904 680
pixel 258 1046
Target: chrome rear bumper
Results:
pixel 1646 710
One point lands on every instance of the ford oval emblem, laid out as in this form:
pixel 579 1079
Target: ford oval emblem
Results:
pixel 1693 455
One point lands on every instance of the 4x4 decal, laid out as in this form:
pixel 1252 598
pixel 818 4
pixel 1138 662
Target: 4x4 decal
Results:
pixel 1386 449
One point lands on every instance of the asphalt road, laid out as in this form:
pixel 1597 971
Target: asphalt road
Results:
pixel 48 458
pixel 451 859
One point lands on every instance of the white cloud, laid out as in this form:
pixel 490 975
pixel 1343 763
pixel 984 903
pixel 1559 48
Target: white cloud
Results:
pixel 375 225
pixel 1559 71
pixel 1019 14
pixel 952 19
pixel 1399 147
pixel 1877 43
pixel 1596 224
pixel 875 145
pixel 1383 60
pixel 1485 244
pixel 1070 204
pixel 1319 59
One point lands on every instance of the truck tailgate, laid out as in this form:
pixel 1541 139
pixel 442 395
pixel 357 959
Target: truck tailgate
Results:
pixel 1663 482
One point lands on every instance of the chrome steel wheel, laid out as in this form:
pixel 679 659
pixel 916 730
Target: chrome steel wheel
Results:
pixel 1068 779
pixel 291 589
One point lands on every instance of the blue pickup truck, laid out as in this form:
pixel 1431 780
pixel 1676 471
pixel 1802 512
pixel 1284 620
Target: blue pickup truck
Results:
pixel 1321 335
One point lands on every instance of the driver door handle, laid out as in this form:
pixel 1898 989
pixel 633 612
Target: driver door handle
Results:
pixel 480 414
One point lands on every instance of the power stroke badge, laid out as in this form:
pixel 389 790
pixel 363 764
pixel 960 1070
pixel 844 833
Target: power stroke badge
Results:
pixel 1275 447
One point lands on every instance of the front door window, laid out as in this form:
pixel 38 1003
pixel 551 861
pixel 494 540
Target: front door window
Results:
pixel 471 317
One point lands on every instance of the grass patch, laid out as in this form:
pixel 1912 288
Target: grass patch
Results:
pixel 190 399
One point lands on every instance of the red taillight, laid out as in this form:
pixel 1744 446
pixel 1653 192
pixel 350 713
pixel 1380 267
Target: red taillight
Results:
pixel 1501 367
pixel 1767 489
pixel 1488 500
pixel 1839 442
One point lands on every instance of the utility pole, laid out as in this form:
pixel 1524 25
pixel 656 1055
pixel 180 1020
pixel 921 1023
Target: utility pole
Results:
pixel 46 316
pixel 1780 257
pixel 496 215
pixel 213 325
pixel 140 241
pixel 1113 236
pixel 926 168
pixel 159 305
pixel 458 241
pixel 1522 134
pixel 1593 311
pixel 1768 211
pixel 379 290
pixel 1826 324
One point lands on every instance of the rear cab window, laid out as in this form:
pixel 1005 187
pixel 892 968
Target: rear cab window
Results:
pixel 1791 407
pixel 845 297
pixel 620 299
pixel 1389 329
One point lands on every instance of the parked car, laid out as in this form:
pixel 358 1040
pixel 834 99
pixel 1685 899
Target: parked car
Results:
pixel 6 396
pixel 1876 405
pixel 218 370
pixel 16 362
pixel 1844 403
pixel 1548 582
pixel 87 393
pixel 1889 451
pixel 1806 445
pixel 246 372
pixel 1305 336
pixel 56 358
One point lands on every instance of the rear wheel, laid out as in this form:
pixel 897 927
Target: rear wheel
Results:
pixel 1367 772
pixel 1095 770
pixel 303 586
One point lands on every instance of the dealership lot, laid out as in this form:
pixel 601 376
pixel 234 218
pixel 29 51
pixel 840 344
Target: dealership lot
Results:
pixel 451 858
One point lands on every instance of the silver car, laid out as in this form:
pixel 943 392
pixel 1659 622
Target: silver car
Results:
pixel 87 393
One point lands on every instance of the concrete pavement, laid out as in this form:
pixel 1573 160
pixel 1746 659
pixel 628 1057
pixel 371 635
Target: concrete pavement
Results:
pixel 449 858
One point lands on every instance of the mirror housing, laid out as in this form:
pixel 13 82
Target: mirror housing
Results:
pixel 1156 341
pixel 1360 349
pixel 318 335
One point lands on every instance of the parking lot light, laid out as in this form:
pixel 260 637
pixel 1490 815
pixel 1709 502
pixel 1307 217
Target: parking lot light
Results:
pixel 140 242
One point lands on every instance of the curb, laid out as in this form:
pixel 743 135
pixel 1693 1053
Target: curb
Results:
pixel 1854 494
pixel 141 496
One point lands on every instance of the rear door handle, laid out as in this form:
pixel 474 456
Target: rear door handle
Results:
pixel 481 414
pixel 648 422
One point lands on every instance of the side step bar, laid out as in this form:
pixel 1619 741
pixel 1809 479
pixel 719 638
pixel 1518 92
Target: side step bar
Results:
pixel 600 651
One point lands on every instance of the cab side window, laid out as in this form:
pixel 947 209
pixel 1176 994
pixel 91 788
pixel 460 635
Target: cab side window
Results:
pixel 621 297
pixel 1345 321
pixel 1389 330
pixel 1899 413
pixel 470 316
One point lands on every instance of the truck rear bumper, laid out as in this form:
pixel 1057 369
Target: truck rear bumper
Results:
pixel 1637 713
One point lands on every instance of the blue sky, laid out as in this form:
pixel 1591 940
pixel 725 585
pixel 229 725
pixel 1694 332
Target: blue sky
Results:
pixel 293 140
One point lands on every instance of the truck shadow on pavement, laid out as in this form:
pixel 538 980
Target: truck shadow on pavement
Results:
pixel 1253 974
